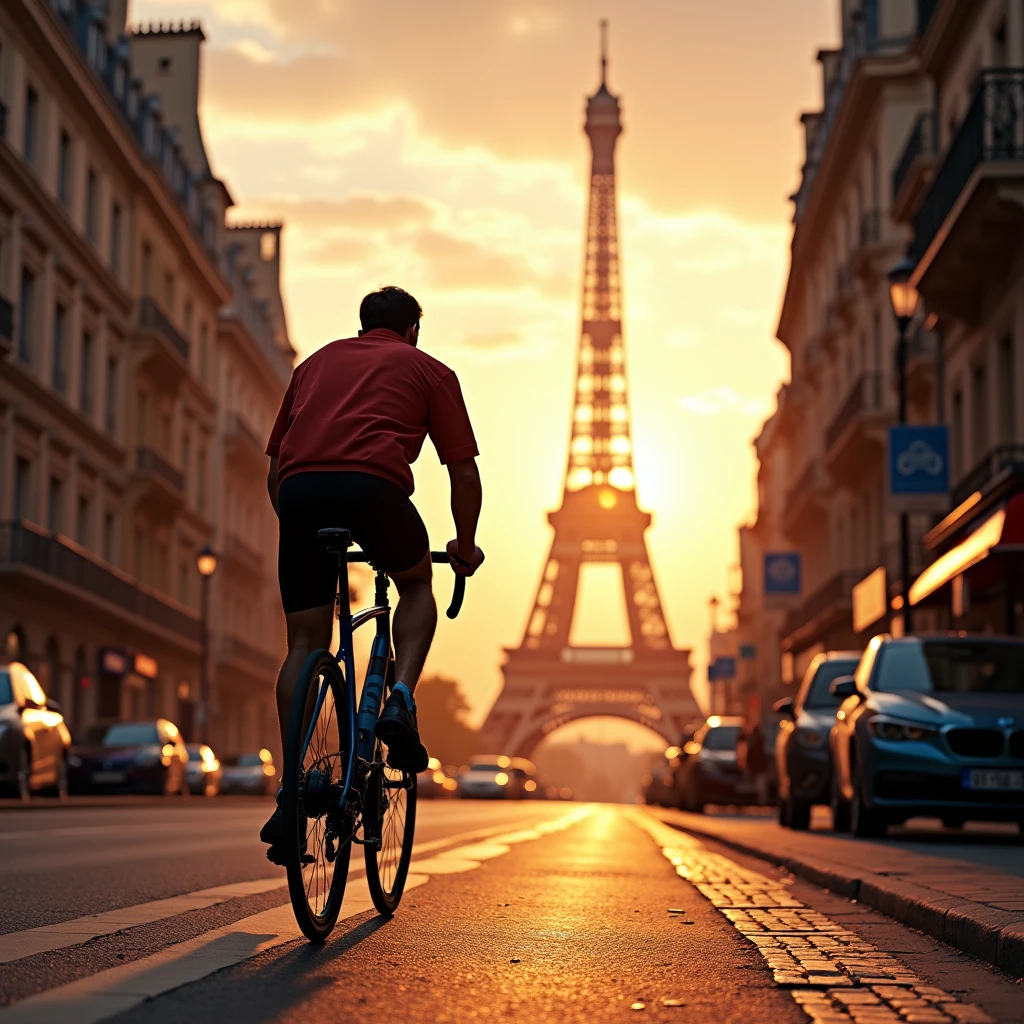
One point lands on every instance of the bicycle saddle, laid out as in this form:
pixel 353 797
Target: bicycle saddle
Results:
pixel 335 540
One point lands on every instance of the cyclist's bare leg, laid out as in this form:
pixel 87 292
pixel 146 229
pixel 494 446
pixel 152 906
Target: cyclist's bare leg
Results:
pixel 414 622
pixel 308 631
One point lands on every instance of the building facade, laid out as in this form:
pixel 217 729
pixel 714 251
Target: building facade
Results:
pixel 919 149
pixel 121 319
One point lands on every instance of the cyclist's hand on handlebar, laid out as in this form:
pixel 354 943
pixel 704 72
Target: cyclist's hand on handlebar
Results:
pixel 463 565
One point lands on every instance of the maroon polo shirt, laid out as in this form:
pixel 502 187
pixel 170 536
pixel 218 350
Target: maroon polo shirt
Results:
pixel 366 404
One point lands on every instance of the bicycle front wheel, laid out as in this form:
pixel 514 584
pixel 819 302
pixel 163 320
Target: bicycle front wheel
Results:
pixel 318 834
pixel 389 811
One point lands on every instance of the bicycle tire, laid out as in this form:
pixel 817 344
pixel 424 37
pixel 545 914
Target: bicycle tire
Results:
pixel 395 807
pixel 325 755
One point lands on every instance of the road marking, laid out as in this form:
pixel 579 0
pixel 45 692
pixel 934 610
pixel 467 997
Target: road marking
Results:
pixel 121 988
pixel 832 974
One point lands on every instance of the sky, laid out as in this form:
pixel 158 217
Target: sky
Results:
pixel 439 147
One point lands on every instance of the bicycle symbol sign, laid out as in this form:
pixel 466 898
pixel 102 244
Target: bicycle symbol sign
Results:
pixel 782 573
pixel 918 467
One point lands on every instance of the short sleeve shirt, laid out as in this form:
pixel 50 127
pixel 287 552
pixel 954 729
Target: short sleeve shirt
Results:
pixel 366 404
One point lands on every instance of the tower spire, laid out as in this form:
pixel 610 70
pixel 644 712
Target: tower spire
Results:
pixel 604 52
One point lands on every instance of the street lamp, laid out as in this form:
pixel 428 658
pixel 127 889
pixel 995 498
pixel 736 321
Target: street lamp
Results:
pixel 206 563
pixel 903 297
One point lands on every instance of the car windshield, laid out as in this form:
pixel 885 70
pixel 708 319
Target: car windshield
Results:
pixel 122 734
pixel 6 693
pixel 818 696
pixel 243 761
pixel 952 666
pixel 722 737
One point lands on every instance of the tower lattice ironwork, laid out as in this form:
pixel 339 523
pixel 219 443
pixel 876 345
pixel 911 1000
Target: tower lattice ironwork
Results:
pixel 549 681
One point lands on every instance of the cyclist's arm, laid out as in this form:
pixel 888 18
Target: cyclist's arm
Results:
pixel 272 484
pixel 467 498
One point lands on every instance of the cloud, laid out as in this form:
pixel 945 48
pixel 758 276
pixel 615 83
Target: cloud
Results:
pixel 346 252
pixel 253 50
pixel 723 399
pixel 362 211
pixel 490 341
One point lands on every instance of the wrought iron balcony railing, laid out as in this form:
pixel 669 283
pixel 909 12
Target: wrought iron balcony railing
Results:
pixel 149 461
pixel 23 546
pixel 993 129
pixel 920 143
pixel 153 318
pixel 1005 459
pixel 865 396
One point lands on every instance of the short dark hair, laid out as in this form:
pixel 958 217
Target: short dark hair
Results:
pixel 389 307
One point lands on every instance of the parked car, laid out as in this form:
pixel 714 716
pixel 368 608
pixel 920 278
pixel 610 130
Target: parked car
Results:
pixel 203 770
pixel 525 772
pixel 435 783
pixel 656 787
pixel 144 756
pixel 488 777
pixel 249 774
pixel 930 725
pixel 33 737
pixel 708 772
pixel 802 760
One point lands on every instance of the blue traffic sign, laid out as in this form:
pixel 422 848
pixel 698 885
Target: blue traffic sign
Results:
pixel 721 670
pixel 919 467
pixel 782 573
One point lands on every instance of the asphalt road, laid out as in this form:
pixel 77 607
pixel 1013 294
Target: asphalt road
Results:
pixel 515 912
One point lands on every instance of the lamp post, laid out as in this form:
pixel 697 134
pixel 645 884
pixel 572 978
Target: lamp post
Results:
pixel 206 563
pixel 903 297
pixel 713 604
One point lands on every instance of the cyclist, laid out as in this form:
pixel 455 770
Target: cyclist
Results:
pixel 352 422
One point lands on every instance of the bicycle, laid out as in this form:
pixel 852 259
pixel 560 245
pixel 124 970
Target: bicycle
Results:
pixel 337 788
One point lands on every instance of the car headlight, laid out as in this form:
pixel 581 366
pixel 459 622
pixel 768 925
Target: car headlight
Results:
pixel 74 761
pixel 810 737
pixel 148 756
pixel 893 730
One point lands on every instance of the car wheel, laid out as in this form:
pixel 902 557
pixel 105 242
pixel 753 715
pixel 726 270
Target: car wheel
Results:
pixel 799 815
pixel 865 822
pixel 840 809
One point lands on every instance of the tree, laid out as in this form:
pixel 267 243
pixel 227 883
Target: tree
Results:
pixel 441 710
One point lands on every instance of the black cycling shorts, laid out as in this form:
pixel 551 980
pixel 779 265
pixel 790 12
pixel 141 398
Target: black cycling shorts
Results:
pixel 382 520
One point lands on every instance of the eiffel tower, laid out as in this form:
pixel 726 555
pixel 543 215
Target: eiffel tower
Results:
pixel 548 681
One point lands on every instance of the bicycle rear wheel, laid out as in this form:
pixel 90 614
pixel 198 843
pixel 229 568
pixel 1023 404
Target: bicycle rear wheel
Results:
pixel 389 811
pixel 318 836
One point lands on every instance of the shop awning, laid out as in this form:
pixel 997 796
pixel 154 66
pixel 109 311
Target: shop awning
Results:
pixel 1002 533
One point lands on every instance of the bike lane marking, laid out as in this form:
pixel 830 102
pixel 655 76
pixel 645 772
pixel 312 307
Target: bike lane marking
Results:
pixel 106 993
pixel 46 938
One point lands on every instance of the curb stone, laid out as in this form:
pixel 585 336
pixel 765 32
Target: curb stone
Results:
pixel 993 935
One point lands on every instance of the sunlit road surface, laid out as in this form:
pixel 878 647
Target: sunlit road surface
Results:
pixel 516 912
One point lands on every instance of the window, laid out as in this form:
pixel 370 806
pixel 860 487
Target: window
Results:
pixel 1005 380
pixel 26 313
pixel 165 433
pixel 59 370
pixel 979 410
pixel 54 500
pixel 22 488
pixel 163 65
pixel 201 481
pixel 137 553
pixel 188 318
pixel 64 170
pixel 147 268
pixel 957 433
pixel 169 292
pixel 141 416
pixel 268 246
pixel 202 351
pixel 110 416
pixel 82 521
pixel 30 138
pixel 183 580
pixel 85 391
pixel 108 537
pixel 91 200
pixel 186 459
pixel 999 46
pixel 115 238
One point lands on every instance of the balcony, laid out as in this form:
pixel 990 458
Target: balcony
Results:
pixel 873 253
pixel 969 228
pixel 157 483
pixel 6 325
pixel 805 501
pixel 166 350
pixel 999 467
pixel 236 653
pixel 913 171
pixel 47 562
pixel 243 447
pixel 828 608
pixel 855 439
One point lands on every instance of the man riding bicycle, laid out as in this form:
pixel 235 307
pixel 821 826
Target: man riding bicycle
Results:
pixel 351 424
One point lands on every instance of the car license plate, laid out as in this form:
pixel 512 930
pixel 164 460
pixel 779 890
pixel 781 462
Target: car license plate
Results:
pixel 106 777
pixel 976 778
